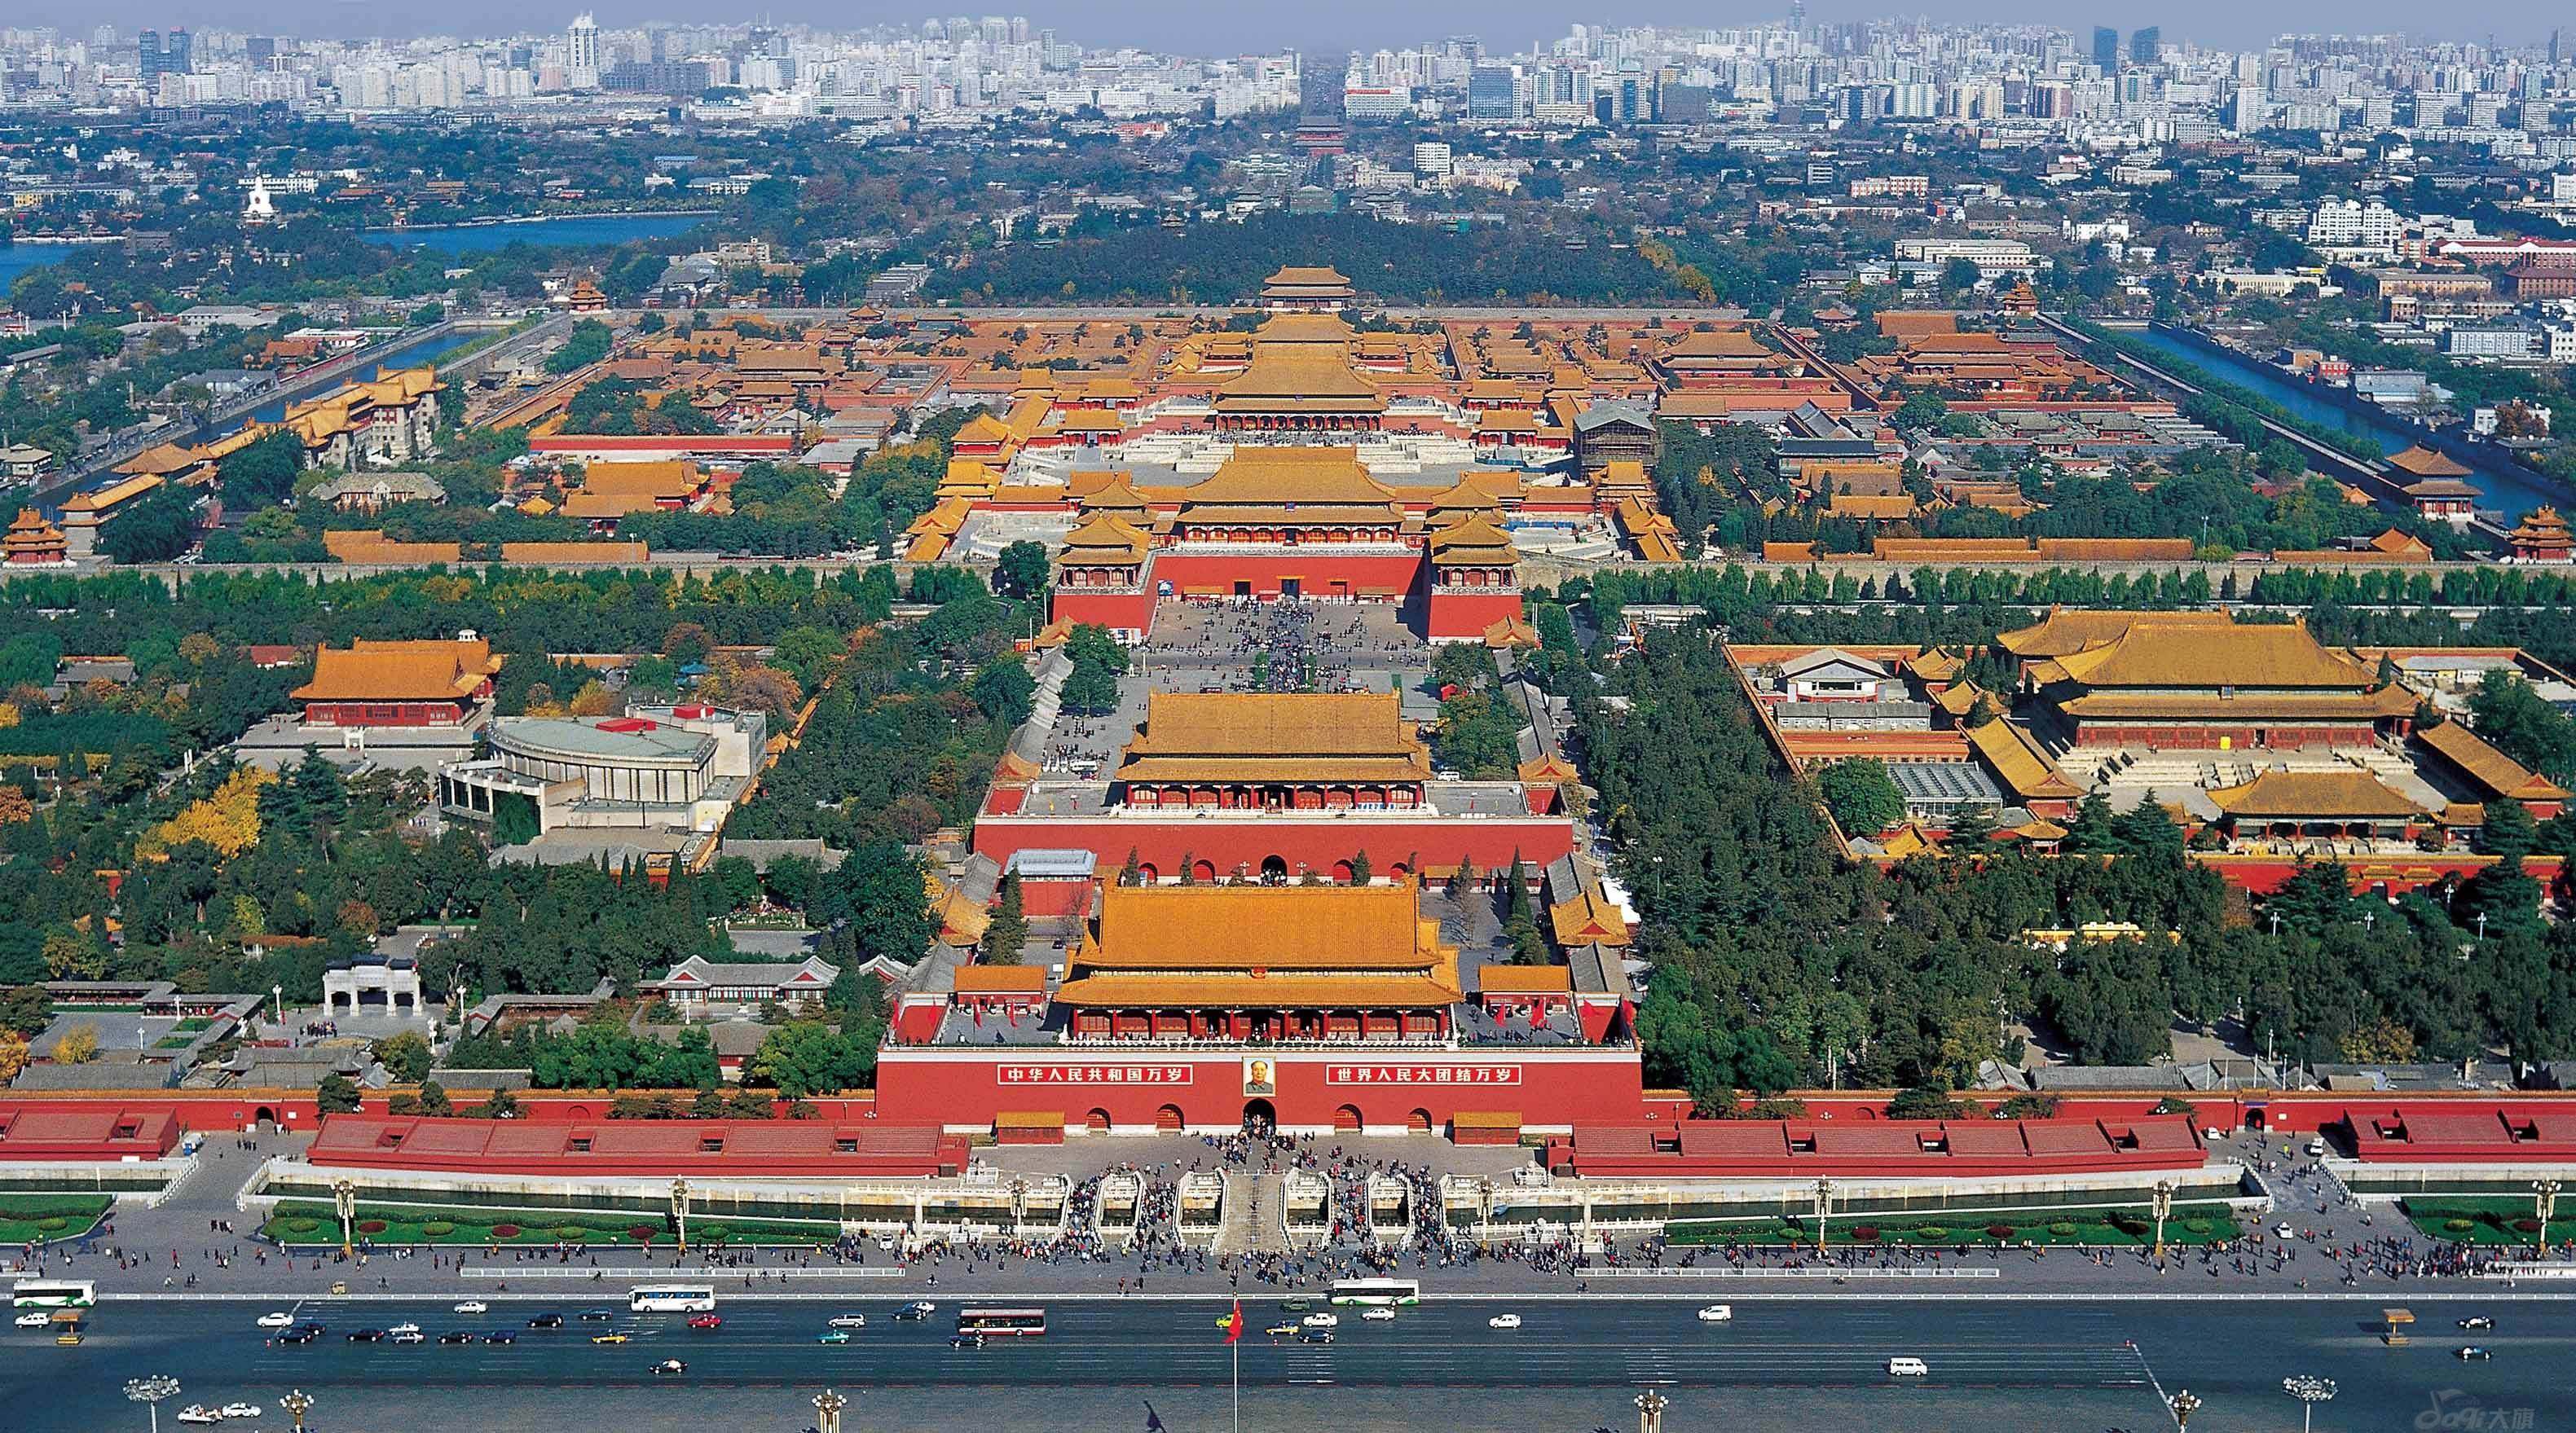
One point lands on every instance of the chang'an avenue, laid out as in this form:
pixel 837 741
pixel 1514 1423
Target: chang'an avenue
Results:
pixel 1287 719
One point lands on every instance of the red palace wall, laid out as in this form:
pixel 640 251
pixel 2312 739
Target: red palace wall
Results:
pixel 1316 844
pixel 382 713
pixel 1317 573
pixel 1117 611
pixel 1465 614
pixel 965 1089
pixel 2262 875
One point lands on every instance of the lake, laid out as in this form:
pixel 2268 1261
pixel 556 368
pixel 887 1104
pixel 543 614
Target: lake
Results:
pixel 2502 488
pixel 569 229
pixel 17 259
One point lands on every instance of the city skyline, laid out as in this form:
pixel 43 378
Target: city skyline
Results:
pixel 1198 30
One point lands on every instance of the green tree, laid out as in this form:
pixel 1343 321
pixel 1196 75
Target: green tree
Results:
pixel 1023 570
pixel 263 473
pixel 405 1057
pixel 1862 796
pixel 1008 930
pixel 336 1095
pixel 808 1058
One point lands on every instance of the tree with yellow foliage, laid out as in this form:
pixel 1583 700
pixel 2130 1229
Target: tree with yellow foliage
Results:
pixel 594 700
pixel 15 807
pixel 78 1046
pixel 227 820
pixel 13 1055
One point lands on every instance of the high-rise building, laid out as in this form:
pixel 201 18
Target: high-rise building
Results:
pixel 1493 92
pixel 581 50
pixel 2146 46
pixel 259 50
pixel 2106 48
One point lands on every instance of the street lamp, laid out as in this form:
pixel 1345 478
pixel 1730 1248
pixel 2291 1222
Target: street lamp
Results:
pixel 2310 1390
pixel 344 1197
pixel 2183 1406
pixel 297 1403
pixel 1824 1206
pixel 680 1210
pixel 2161 1203
pixel 827 1411
pixel 149 1390
pixel 2544 1199
pixel 1650 1411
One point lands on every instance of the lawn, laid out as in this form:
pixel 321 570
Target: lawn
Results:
pixel 32 1218
pixel 2466 1219
pixel 1964 1230
pixel 300 1222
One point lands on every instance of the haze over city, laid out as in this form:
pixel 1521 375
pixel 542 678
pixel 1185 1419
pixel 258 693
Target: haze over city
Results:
pixel 1336 716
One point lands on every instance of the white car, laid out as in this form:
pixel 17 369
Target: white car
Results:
pixel 406 1336
pixel 2283 1231
pixel 473 1306
pixel 848 1321
pixel 1908 1368
pixel 278 1320
pixel 1717 1314
pixel 199 1413
pixel 39 1318
pixel 1503 1321
pixel 399 1330
pixel 239 1410
pixel 1379 1315
pixel 1322 1321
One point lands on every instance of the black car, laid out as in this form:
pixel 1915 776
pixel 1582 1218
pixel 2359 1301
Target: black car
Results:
pixel 367 1336
pixel 301 1333
pixel 1314 1335
pixel 2476 1351
pixel 457 1336
pixel 669 1368
pixel 967 1340
pixel 500 1336
pixel 2477 1321
pixel 597 1316
pixel 546 1321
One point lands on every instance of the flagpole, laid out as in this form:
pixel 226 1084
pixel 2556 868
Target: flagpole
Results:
pixel 1238 1369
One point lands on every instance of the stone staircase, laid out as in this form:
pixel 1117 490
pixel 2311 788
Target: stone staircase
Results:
pixel 1252 1216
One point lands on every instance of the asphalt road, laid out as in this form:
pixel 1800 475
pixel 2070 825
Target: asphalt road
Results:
pixel 1995 1363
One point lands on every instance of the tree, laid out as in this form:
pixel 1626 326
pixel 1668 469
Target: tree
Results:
pixel 1862 796
pixel 2507 829
pixel 434 1100
pixel 1922 1102
pixel 1022 571
pixel 405 1056
pixel 336 1095
pixel 1005 691
pixel 878 893
pixel 153 528
pixel 1009 928
pixel 1089 689
pixel 78 1045
pixel 13 1055
pixel 262 474
pixel 809 1058
pixel 26 1010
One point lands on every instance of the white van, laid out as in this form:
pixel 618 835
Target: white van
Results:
pixel 1907 1368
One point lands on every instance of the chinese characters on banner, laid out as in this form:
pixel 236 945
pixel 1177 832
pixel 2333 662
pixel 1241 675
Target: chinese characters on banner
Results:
pixel 1089 1074
pixel 1422 1075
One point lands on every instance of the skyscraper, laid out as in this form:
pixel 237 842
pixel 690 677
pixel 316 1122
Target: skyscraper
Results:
pixel 581 50
pixel 2146 46
pixel 157 55
pixel 1492 93
pixel 2106 48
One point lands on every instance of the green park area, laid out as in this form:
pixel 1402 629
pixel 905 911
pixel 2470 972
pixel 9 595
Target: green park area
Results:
pixel 35 1218
pixel 2494 1221
pixel 1964 1229
pixel 296 1222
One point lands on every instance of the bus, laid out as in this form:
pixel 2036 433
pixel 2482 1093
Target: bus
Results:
pixel 1376 1291
pixel 53 1294
pixel 1002 1323
pixel 673 1298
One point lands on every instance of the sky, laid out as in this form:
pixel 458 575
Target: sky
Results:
pixel 1238 26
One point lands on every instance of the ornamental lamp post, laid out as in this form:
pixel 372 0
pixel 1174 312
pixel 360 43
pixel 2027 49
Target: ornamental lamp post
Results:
pixel 2544 1201
pixel 2310 1390
pixel 344 1197
pixel 2161 1203
pixel 149 1390
pixel 827 1411
pixel 680 1210
pixel 1824 1206
pixel 1650 1411
pixel 297 1403
pixel 2183 1405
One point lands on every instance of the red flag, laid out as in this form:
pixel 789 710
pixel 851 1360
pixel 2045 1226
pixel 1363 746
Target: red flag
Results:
pixel 1234 1323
